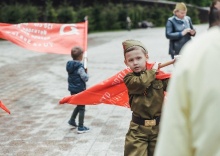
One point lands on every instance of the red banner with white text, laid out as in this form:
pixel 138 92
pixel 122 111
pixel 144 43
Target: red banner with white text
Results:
pixel 111 91
pixel 46 37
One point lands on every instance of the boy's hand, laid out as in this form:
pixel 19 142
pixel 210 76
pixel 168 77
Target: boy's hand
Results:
pixel 156 66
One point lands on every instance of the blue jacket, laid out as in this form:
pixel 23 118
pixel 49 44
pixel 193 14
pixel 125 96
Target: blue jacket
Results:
pixel 174 27
pixel 77 76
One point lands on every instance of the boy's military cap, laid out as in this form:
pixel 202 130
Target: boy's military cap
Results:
pixel 130 43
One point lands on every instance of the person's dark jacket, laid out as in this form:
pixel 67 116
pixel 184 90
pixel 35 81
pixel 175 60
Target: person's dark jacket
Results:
pixel 174 27
pixel 76 76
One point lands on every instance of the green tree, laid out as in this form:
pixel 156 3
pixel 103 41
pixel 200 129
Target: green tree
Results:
pixel 30 14
pixel 66 14
pixel 96 12
pixel 11 13
pixel 110 18
pixel 50 14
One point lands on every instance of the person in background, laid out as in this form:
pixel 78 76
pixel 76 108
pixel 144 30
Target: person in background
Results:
pixel 214 17
pixel 128 21
pixel 77 78
pixel 179 29
pixel 190 116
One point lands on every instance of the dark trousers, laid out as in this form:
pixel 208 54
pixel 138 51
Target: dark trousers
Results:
pixel 80 109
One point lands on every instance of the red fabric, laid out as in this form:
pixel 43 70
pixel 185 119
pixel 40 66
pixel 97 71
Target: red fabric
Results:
pixel 46 37
pixel 4 108
pixel 111 91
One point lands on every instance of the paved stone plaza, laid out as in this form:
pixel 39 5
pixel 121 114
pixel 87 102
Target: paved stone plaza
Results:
pixel 32 84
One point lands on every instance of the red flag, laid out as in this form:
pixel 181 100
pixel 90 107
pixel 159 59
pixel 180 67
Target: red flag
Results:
pixel 46 37
pixel 4 108
pixel 111 91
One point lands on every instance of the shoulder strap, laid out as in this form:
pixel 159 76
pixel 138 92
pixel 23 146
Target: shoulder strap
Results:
pixel 190 22
pixel 170 19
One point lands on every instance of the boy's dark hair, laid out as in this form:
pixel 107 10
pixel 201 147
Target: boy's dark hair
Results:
pixel 214 14
pixel 76 52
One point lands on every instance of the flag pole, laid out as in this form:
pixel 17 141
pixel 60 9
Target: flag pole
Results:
pixel 166 63
pixel 85 57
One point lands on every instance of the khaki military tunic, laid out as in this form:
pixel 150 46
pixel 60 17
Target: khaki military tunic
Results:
pixel 146 95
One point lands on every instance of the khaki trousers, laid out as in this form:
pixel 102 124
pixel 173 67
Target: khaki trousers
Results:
pixel 140 140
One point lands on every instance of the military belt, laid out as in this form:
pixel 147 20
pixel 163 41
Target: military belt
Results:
pixel 147 123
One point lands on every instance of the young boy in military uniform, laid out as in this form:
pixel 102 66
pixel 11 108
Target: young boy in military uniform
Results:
pixel 146 95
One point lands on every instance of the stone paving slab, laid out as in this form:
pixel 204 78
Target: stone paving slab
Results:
pixel 32 83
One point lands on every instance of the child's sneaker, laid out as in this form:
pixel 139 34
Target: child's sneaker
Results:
pixel 82 130
pixel 72 123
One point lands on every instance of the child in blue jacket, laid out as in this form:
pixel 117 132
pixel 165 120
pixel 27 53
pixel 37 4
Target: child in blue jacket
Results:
pixel 77 78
